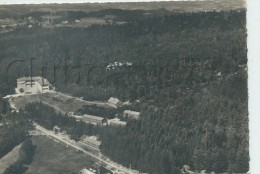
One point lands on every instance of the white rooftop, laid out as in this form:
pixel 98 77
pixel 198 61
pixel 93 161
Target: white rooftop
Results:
pixel 86 171
pixel 132 112
pixel 92 117
pixel 117 121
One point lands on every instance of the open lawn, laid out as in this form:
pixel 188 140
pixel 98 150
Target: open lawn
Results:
pixel 56 158
pixel 60 102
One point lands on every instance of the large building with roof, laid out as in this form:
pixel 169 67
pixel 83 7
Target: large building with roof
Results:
pixel 33 85
pixel 94 119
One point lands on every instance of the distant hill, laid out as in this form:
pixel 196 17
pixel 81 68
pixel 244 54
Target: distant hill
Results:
pixel 174 6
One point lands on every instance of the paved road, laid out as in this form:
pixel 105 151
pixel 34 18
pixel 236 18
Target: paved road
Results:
pixel 50 134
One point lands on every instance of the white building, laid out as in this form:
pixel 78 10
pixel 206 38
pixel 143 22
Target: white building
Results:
pixel 115 102
pixel 86 171
pixel 131 114
pixel 89 141
pixel 116 122
pixel 56 129
pixel 33 85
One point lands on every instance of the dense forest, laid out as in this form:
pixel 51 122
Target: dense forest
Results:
pixel 205 128
pixel 13 131
pixel 160 48
pixel 188 78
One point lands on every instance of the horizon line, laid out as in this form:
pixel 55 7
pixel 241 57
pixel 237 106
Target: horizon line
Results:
pixel 60 2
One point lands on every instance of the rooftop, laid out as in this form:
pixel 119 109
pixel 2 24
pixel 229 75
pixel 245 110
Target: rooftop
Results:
pixel 113 100
pixel 92 117
pixel 91 139
pixel 86 171
pixel 117 121
pixel 132 112
pixel 39 79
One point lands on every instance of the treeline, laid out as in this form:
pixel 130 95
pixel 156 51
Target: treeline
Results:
pixel 26 154
pixel 205 128
pixel 106 112
pixel 13 131
pixel 214 37
pixel 48 118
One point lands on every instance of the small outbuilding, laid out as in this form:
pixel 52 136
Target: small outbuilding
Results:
pixel 116 122
pixel 115 102
pixel 131 114
pixel 56 129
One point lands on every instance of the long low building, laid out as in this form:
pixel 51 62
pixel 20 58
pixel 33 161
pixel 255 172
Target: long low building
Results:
pixel 89 119
pixel 116 122
pixel 94 119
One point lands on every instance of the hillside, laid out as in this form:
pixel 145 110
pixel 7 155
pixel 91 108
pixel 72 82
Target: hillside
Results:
pixel 9 10
pixel 52 157
pixel 206 128
pixel 185 72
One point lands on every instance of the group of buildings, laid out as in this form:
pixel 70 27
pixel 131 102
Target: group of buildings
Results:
pixel 34 85
pixel 101 121
pixel 39 84
pixel 96 120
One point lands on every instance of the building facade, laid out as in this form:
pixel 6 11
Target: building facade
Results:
pixel 131 114
pixel 94 119
pixel 116 122
pixel 33 85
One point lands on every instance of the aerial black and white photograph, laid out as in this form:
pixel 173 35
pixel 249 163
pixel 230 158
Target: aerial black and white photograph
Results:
pixel 124 88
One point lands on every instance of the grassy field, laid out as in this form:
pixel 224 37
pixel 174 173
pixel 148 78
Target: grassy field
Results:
pixel 56 158
pixel 60 102
pixel 9 159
